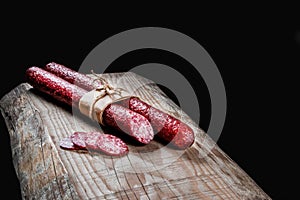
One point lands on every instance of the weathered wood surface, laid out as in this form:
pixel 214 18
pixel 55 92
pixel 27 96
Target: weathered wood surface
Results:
pixel 36 123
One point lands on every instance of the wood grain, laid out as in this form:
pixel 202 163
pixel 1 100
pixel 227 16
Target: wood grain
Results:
pixel 36 123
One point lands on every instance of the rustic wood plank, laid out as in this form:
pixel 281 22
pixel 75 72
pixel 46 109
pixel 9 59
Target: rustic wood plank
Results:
pixel 36 123
pixel 41 173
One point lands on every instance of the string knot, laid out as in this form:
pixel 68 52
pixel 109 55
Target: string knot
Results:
pixel 105 87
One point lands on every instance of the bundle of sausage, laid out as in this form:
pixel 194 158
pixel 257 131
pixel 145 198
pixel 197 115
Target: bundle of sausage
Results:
pixel 131 115
pixel 114 115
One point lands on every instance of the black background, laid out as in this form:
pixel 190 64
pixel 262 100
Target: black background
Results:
pixel 256 56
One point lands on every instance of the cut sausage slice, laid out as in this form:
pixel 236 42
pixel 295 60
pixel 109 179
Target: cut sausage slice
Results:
pixel 105 143
pixel 66 143
pixel 79 138
pixel 95 142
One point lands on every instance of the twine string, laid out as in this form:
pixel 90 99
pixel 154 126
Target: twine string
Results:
pixel 105 86
pixel 106 89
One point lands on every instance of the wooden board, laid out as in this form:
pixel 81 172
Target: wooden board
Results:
pixel 36 123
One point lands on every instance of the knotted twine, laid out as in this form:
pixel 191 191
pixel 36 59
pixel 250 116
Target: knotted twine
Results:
pixel 94 102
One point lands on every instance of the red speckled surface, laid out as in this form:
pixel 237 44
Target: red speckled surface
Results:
pixel 72 76
pixel 79 138
pixel 54 86
pixel 106 143
pixel 134 124
pixel 115 116
pixel 167 127
pixel 66 143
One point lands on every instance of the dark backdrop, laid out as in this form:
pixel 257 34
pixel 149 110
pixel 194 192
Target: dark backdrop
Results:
pixel 256 57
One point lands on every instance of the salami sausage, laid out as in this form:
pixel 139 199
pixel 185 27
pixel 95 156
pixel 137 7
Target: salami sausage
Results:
pixel 66 143
pixel 167 127
pixel 72 76
pixel 114 115
pixel 106 143
pixel 95 142
pixel 129 121
pixel 79 138
pixel 54 86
